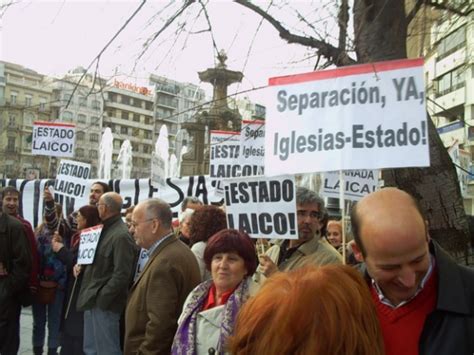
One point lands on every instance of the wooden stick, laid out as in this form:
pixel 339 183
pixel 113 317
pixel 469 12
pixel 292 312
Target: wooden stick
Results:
pixel 70 298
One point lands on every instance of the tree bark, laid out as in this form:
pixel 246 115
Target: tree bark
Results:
pixel 380 34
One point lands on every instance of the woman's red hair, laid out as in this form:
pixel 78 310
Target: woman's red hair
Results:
pixel 320 311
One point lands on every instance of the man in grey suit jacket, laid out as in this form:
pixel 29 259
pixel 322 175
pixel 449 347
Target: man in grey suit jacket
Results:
pixel 105 283
pixel 157 296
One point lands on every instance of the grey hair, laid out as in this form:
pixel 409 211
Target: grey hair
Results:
pixel 305 196
pixel 157 208
pixel 188 200
pixel 114 204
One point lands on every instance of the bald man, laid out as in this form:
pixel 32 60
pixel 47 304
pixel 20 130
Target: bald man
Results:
pixel 105 283
pixel 424 300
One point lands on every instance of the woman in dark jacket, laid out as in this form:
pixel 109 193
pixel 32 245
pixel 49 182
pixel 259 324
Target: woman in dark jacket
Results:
pixel 73 322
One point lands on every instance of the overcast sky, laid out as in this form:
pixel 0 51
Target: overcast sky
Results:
pixel 53 37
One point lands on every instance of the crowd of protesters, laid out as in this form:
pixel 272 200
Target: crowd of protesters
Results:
pixel 158 286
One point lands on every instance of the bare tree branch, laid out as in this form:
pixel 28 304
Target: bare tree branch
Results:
pixel 335 55
pixel 206 15
pixel 411 15
pixel 343 19
pixel 454 9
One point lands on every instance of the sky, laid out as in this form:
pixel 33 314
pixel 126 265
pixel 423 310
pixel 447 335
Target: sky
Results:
pixel 52 37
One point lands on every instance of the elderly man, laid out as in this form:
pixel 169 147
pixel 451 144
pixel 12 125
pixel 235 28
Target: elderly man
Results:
pixel 157 296
pixel 15 268
pixel 105 283
pixel 308 248
pixel 424 300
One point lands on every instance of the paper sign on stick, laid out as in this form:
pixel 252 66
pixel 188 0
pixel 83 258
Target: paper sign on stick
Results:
pixel 263 207
pixel 357 184
pixel 53 139
pixel 252 145
pixel 367 116
pixel 88 245
pixel 71 178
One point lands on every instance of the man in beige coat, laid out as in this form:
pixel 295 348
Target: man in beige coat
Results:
pixel 157 296
pixel 309 248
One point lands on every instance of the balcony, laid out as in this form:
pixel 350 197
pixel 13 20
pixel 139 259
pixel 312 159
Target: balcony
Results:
pixel 167 89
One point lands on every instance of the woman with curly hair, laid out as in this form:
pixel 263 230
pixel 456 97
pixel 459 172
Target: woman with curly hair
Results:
pixel 205 222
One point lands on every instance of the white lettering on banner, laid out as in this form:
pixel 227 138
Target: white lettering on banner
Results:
pixel 262 207
pixel 88 245
pixel 373 116
pixel 132 191
pixel 357 184
pixel 252 147
pixel 53 139
pixel 71 178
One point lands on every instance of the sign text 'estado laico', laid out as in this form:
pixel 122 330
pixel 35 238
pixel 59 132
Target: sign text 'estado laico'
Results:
pixel 367 116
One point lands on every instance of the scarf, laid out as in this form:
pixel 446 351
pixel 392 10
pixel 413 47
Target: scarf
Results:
pixel 184 342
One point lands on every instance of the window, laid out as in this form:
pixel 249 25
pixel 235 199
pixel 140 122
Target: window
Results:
pixel 12 121
pixel 13 97
pixel 117 144
pixel 124 130
pixel 66 98
pixel 147 134
pixel 94 137
pixel 67 116
pixel 95 121
pixel 147 120
pixel 135 132
pixel 452 43
pixel 125 100
pixel 96 104
pixel 111 112
pixel 149 105
pixel 28 99
pixel 29 118
pixel 93 154
pixel 11 144
pixel 81 118
pixel 79 152
pixel 42 104
pixel 80 136
pixel 124 115
pixel 136 117
pixel 112 96
pixel 451 81
pixel 82 101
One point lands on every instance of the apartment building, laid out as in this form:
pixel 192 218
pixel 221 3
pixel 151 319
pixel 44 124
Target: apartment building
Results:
pixel 128 111
pixel 25 97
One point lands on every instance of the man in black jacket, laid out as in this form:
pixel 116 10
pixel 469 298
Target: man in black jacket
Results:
pixel 424 300
pixel 15 268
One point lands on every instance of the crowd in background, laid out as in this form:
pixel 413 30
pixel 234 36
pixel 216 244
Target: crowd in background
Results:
pixel 160 285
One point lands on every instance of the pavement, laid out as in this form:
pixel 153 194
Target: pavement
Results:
pixel 26 331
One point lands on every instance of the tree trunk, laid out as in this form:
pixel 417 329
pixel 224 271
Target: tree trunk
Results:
pixel 380 34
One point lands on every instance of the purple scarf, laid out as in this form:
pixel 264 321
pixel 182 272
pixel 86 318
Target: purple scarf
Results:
pixel 184 342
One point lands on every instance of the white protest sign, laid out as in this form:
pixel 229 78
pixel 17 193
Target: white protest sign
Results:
pixel 357 184
pixel 53 139
pixel 158 170
pixel 71 178
pixel 224 154
pixel 367 116
pixel 252 145
pixel 142 260
pixel 263 207
pixel 88 245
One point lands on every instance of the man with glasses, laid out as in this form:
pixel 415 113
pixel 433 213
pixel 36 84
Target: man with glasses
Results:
pixel 105 283
pixel 170 274
pixel 308 249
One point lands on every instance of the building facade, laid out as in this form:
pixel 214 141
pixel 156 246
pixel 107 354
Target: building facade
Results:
pixel 25 97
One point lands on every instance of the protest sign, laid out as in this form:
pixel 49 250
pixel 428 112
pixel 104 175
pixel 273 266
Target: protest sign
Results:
pixel 263 207
pixel 53 139
pixel 158 170
pixel 461 160
pixel 224 154
pixel 252 145
pixel 132 191
pixel 71 178
pixel 142 260
pixel 356 184
pixel 88 245
pixel 367 116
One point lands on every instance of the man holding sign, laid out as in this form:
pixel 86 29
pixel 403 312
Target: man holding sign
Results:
pixel 105 283
pixel 307 249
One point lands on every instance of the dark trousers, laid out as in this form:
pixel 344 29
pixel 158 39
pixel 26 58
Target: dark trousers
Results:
pixel 10 330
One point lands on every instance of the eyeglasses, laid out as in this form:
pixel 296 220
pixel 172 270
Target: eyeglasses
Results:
pixel 135 224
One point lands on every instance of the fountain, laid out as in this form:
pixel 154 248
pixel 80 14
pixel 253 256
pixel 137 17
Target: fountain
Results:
pixel 125 160
pixel 173 170
pixel 105 149
pixel 162 147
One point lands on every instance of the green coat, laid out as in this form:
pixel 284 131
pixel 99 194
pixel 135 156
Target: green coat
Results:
pixel 105 282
